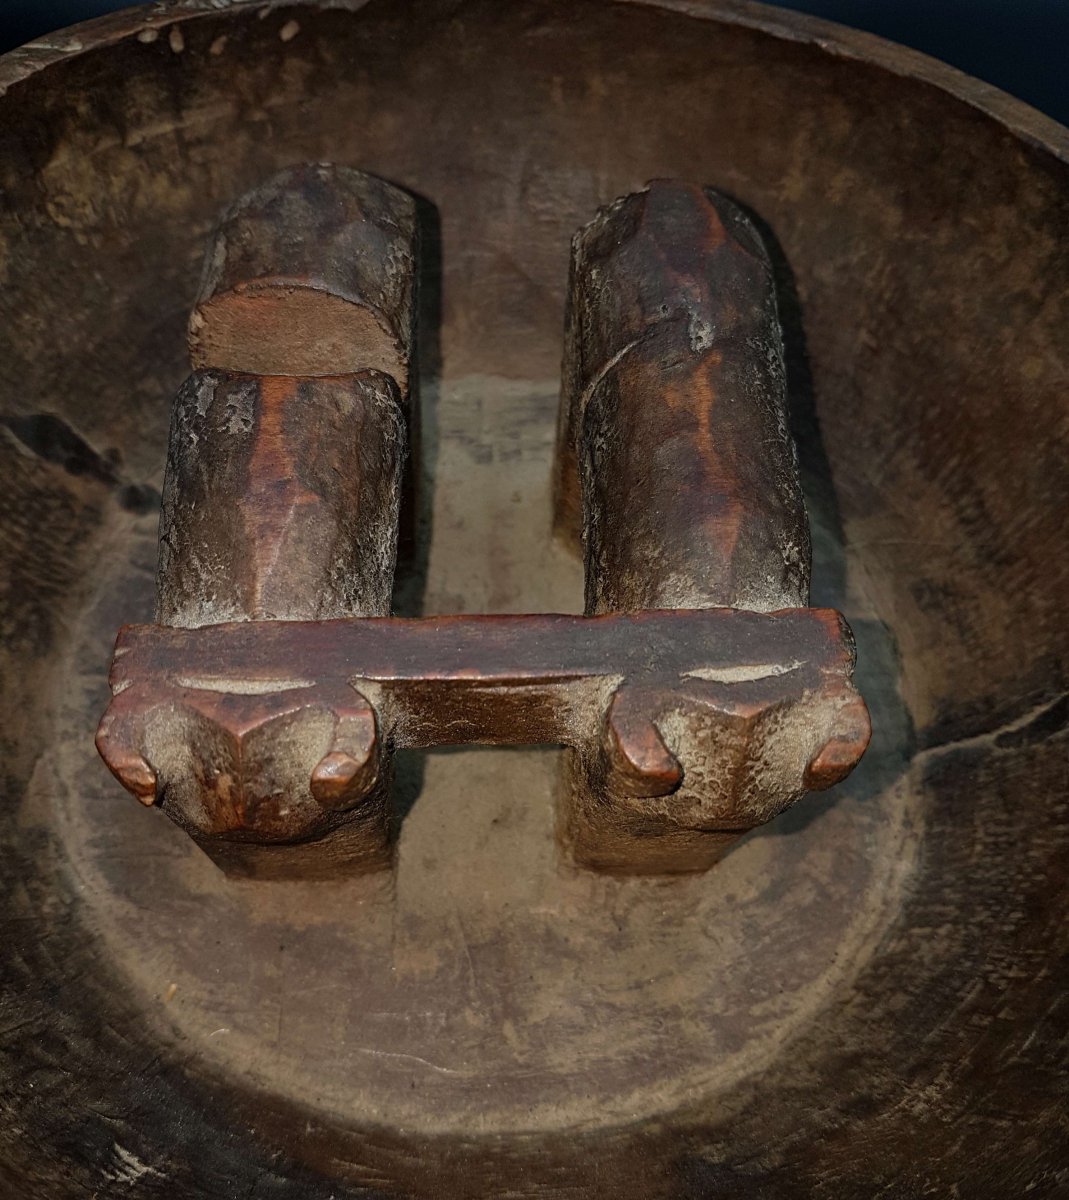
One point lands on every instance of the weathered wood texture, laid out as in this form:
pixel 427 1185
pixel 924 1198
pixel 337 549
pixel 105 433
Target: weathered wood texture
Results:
pixel 674 411
pixel 280 502
pixel 673 441
pixel 691 727
pixel 281 499
pixel 866 997
pixel 313 273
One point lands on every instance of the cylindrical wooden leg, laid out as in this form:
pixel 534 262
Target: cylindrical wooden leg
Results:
pixel 674 410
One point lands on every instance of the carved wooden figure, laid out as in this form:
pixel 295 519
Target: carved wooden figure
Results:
pixel 270 741
pixel 868 998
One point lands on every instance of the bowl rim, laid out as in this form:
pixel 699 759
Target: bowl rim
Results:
pixel 146 21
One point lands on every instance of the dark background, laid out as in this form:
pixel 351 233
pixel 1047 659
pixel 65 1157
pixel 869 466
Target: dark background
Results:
pixel 1020 45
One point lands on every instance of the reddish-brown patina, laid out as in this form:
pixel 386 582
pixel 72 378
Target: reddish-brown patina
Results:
pixel 688 727
pixel 688 724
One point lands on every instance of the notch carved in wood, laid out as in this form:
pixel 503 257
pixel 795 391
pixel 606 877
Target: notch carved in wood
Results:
pixel 314 273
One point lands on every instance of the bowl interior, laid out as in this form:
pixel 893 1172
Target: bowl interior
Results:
pixel 489 1006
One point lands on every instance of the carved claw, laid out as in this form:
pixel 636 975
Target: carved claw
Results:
pixel 713 722
pixel 351 770
pixel 638 763
pixel 685 766
pixel 841 752
pixel 118 742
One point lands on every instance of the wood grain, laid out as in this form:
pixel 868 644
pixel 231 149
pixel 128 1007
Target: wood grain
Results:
pixel 600 1037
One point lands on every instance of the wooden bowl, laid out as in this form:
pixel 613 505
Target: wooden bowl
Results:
pixel 866 997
